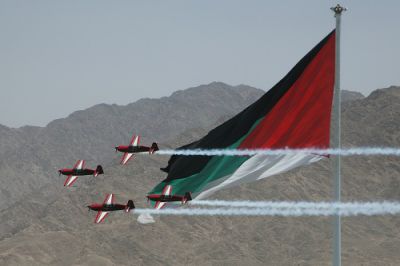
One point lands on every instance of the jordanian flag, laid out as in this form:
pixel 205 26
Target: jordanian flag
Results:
pixel 295 113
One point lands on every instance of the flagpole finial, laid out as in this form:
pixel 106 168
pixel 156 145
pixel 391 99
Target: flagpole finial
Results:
pixel 338 9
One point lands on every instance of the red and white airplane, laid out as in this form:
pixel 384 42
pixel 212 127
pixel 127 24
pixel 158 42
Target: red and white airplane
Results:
pixel 166 196
pixel 108 206
pixel 79 170
pixel 133 148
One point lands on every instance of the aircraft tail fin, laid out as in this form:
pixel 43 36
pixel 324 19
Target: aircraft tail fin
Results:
pixel 99 170
pixel 153 148
pixel 129 206
pixel 187 197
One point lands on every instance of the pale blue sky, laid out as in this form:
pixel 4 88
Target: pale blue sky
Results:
pixel 57 57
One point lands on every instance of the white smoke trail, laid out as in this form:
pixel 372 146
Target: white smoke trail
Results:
pixel 293 204
pixel 287 209
pixel 268 204
pixel 371 151
pixel 298 205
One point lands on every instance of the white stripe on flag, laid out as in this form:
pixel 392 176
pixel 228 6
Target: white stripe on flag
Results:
pixel 259 167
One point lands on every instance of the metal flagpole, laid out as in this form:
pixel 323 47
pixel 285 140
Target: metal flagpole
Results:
pixel 336 143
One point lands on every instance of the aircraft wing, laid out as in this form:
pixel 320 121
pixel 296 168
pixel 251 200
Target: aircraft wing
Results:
pixel 101 215
pixel 167 190
pixel 70 180
pixel 159 205
pixel 109 200
pixel 79 165
pixel 126 157
pixel 135 141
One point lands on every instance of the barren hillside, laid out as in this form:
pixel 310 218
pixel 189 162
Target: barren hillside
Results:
pixel 49 224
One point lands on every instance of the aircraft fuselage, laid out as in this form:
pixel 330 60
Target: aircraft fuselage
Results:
pixel 107 208
pixel 132 149
pixel 76 172
pixel 165 198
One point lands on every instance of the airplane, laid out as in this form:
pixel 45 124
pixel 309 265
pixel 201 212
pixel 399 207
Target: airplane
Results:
pixel 166 196
pixel 134 147
pixel 108 206
pixel 79 170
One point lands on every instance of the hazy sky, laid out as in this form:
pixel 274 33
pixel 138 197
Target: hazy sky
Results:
pixel 60 56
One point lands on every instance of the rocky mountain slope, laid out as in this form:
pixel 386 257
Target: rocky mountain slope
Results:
pixel 30 156
pixel 49 224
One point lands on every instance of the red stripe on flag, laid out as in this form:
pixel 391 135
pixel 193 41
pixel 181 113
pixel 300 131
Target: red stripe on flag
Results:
pixel 301 118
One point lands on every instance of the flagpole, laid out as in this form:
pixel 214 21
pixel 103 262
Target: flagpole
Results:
pixel 336 142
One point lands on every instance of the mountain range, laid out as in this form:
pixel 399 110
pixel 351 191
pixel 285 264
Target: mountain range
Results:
pixel 44 223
